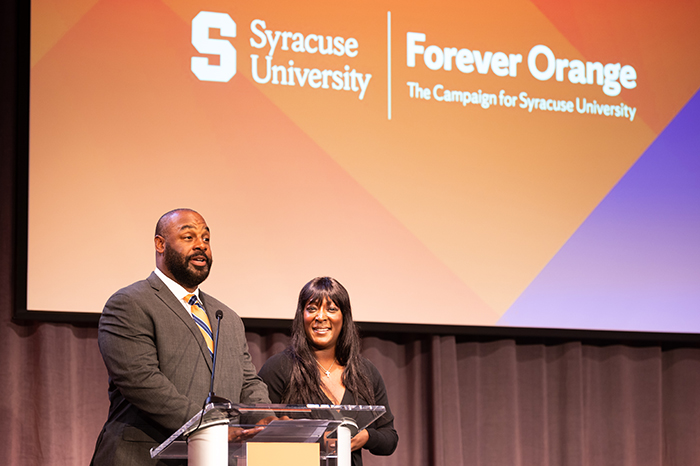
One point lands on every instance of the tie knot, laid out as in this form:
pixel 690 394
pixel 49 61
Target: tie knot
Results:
pixel 193 301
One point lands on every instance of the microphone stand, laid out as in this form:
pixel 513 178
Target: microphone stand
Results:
pixel 212 398
pixel 210 446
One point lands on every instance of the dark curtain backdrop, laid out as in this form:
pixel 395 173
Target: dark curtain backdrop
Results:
pixel 457 400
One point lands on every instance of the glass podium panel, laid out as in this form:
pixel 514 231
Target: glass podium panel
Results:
pixel 295 424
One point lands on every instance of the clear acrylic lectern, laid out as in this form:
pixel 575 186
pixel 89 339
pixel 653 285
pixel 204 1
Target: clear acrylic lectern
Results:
pixel 204 438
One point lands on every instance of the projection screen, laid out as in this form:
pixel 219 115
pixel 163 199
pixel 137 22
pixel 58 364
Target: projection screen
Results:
pixel 520 163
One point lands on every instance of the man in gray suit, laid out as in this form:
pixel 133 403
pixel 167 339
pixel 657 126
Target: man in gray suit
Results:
pixel 158 358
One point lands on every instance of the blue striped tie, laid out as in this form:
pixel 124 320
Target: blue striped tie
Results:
pixel 200 317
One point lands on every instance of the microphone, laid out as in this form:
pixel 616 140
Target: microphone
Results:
pixel 212 398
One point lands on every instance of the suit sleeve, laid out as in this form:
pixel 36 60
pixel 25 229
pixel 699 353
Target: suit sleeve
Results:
pixel 254 390
pixel 127 341
pixel 383 438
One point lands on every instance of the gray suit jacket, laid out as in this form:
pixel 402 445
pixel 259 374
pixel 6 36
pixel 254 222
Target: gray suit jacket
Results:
pixel 160 368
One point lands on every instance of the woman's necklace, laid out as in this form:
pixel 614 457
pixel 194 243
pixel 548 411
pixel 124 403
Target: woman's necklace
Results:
pixel 326 371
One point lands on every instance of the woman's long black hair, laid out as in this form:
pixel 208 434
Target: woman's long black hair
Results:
pixel 305 383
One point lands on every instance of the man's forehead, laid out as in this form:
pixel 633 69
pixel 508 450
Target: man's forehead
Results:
pixel 192 226
pixel 186 220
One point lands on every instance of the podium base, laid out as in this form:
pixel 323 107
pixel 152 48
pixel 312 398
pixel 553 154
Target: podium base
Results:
pixel 208 446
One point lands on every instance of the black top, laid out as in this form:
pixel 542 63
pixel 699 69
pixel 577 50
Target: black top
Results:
pixel 276 373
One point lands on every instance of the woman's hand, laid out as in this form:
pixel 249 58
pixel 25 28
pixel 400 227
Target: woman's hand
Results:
pixel 359 440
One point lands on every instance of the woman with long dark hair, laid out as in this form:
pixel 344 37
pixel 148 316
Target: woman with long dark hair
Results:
pixel 323 365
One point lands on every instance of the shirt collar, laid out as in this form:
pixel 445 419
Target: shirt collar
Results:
pixel 175 288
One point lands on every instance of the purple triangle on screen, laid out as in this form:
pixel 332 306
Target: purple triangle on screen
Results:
pixel 634 263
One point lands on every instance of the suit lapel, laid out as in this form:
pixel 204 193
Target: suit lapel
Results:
pixel 168 298
pixel 211 313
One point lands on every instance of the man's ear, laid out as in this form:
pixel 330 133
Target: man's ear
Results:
pixel 159 243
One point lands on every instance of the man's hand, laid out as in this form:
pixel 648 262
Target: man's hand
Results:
pixel 239 434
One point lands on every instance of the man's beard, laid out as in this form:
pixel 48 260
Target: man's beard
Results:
pixel 179 266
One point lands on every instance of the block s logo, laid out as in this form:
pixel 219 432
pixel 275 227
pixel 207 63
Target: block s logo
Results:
pixel 226 69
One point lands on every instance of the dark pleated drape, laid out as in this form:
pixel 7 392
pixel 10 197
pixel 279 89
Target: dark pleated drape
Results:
pixel 461 402
pixel 457 401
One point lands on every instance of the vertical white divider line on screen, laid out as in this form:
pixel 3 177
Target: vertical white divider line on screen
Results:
pixel 388 64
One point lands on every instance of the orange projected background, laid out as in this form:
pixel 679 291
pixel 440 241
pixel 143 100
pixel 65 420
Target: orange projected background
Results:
pixel 434 194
